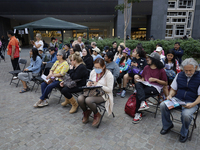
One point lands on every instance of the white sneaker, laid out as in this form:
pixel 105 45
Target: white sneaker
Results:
pixel 36 104
pixel 43 103
pixel 137 118
pixel 15 77
pixel 143 106
pixel 123 94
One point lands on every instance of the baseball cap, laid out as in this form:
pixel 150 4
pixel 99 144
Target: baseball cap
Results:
pixel 158 49
pixel 154 55
pixel 127 51
pixel 96 49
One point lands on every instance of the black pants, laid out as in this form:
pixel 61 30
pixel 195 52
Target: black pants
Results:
pixel 1 54
pixel 121 75
pixel 143 92
pixel 15 64
pixel 67 91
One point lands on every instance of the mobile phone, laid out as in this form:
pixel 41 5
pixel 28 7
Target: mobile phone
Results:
pixel 90 80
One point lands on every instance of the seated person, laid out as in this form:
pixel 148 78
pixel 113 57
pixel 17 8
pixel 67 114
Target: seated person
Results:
pixel 139 61
pixel 53 54
pixel 178 52
pixel 87 58
pixel 124 64
pixel 139 45
pixel 67 50
pixel 34 67
pixel 118 54
pixel 53 43
pixel 114 48
pixel 58 70
pixel 77 71
pixel 100 76
pixel 160 45
pixel 155 78
pixel 60 45
pixel 96 54
pixel 111 65
pixel 162 57
pixel 185 87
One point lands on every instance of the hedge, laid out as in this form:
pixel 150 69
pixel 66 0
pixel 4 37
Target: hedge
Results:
pixel 191 47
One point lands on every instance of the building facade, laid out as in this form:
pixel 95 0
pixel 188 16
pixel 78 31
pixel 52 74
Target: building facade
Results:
pixel 164 19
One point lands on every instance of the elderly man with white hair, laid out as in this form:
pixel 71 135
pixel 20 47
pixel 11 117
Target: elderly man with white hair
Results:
pixel 185 87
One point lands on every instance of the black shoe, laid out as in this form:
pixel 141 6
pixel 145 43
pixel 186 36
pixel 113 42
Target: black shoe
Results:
pixel 183 139
pixel 166 131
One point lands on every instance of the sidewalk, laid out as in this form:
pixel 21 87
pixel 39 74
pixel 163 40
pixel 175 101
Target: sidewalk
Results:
pixel 24 127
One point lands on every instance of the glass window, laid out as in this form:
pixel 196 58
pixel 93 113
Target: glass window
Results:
pixel 169 31
pixel 185 4
pixel 180 29
pixel 171 4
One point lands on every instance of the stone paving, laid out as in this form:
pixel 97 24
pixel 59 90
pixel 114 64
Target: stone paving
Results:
pixel 23 127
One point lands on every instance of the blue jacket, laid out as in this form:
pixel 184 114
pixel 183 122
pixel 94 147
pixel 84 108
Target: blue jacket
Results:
pixel 178 54
pixel 35 66
pixel 53 58
pixel 188 91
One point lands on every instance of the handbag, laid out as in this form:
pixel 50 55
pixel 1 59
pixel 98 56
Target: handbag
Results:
pixel 134 70
pixel 130 107
pixel 93 92
pixel 68 82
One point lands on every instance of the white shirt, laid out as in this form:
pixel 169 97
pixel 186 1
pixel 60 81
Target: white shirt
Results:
pixel 174 84
pixel 41 43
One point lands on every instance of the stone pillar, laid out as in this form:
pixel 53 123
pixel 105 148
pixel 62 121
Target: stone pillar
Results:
pixel 148 27
pixel 196 22
pixel 120 24
pixel 4 26
pixel 159 18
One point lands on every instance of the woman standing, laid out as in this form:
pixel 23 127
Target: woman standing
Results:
pixel 78 72
pixel 34 69
pixel 100 76
pixel 58 70
pixel 87 58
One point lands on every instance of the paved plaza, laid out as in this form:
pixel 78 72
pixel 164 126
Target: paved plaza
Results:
pixel 23 127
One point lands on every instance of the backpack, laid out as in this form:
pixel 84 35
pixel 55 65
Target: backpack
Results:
pixel 170 73
pixel 130 106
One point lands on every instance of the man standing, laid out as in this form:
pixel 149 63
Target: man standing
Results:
pixel 178 52
pixel 13 51
pixel 114 48
pixel 185 87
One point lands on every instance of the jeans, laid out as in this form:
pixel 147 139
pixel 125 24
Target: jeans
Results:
pixel 47 88
pixel 186 118
pixel 143 92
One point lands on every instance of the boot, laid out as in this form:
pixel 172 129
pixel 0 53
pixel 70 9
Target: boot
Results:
pixel 86 115
pixel 66 102
pixel 74 105
pixel 97 118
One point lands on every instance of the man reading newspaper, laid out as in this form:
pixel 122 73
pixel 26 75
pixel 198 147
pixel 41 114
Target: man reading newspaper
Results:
pixel 185 87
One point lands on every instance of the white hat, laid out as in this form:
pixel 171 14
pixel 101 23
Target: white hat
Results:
pixel 158 49
pixel 96 49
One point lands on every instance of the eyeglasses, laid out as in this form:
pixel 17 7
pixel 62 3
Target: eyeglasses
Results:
pixel 58 55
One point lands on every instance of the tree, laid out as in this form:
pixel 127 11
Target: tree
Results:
pixel 126 9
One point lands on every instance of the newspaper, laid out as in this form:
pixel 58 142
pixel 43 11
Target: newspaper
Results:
pixel 174 102
pixel 45 78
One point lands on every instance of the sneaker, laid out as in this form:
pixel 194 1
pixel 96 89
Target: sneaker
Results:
pixel 143 106
pixel 43 103
pixel 137 118
pixel 36 104
pixel 15 77
pixel 123 94
pixel 119 92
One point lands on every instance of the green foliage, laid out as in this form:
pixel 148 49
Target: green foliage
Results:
pixel 191 47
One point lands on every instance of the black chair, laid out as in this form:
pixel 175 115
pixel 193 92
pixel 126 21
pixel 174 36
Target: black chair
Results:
pixel 21 61
pixel 192 125
pixel 38 80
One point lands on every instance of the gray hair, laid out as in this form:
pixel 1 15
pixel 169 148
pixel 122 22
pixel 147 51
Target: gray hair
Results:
pixel 94 43
pixel 39 36
pixel 190 61
pixel 63 53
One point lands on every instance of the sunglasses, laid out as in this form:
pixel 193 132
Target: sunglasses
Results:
pixel 58 55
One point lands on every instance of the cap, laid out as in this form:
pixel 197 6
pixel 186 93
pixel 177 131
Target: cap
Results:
pixel 106 47
pixel 96 49
pixel 155 56
pixel 158 49
pixel 127 51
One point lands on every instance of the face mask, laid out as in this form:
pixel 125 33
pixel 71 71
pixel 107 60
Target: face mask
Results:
pixel 98 71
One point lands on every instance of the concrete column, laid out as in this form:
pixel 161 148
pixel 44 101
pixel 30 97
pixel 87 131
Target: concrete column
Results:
pixel 4 26
pixel 120 23
pixel 196 22
pixel 158 18
pixel 148 27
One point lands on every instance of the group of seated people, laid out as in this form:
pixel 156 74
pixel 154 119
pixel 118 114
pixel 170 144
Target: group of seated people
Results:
pixel 150 74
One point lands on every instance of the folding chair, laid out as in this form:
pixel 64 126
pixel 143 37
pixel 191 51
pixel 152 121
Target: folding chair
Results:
pixel 21 61
pixel 38 80
pixel 192 125
pixel 102 109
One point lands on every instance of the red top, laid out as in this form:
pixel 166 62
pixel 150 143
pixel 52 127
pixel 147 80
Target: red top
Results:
pixel 13 42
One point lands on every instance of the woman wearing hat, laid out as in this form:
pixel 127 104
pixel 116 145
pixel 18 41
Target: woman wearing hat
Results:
pixel 124 64
pixel 58 70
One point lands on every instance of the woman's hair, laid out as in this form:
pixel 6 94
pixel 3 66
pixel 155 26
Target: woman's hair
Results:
pixel 88 53
pixel 52 38
pixel 35 54
pixel 124 58
pixel 173 60
pixel 122 44
pixel 10 32
pixel 39 36
pixel 122 47
pixel 77 48
pixel 63 53
pixel 157 63
pixel 101 62
pixel 139 45
pixel 76 57
pixel 141 53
